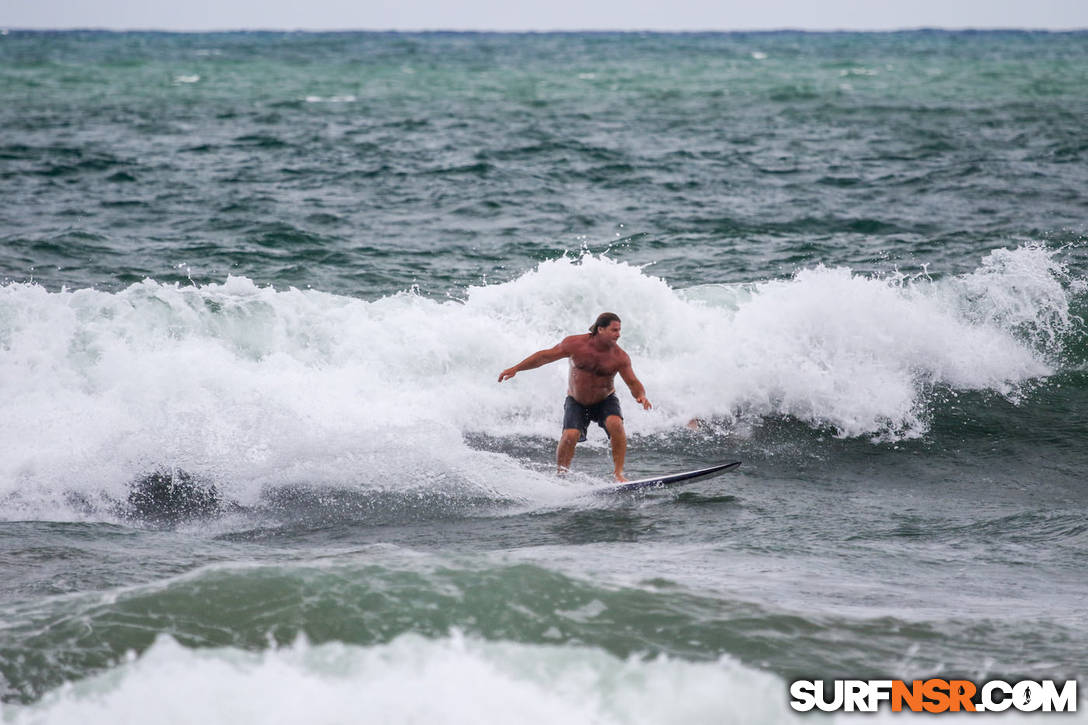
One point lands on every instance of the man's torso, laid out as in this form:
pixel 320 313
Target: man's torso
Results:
pixel 592 370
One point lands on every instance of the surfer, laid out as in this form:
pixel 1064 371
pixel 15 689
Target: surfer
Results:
pixel 595 358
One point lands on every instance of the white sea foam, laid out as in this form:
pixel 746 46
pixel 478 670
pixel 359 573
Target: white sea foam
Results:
pixel 331 99
pixel 254 387
pixel 412 680
pixel 417 680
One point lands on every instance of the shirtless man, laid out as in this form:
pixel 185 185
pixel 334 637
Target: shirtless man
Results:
pixel 595 359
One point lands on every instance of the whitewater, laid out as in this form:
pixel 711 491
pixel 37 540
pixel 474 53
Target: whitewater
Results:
pixel 250 387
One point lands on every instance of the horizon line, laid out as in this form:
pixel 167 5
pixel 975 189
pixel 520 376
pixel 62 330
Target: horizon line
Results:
pixel 551 31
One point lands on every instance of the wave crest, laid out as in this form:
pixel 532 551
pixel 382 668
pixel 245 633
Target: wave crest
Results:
pixel 252 387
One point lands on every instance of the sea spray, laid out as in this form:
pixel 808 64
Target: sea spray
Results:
pixel 251 387
pixel 412 679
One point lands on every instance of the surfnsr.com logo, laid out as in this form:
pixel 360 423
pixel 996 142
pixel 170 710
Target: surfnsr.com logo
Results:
pixel 934 695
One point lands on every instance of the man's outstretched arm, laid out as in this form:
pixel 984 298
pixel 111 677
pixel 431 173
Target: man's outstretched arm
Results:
pixel 538 358
pixel 628 375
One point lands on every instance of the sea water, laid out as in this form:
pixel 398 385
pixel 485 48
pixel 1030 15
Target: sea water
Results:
pixel 258 287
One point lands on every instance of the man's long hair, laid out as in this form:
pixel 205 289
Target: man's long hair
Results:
pixel 603 320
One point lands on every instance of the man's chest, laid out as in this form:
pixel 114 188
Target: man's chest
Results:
pixel 595 363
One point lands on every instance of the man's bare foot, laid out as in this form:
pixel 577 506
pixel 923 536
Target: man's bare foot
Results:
pixel 562 471
pixel 620 478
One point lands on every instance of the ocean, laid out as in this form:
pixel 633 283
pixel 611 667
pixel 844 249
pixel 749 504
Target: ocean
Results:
pixel 256 289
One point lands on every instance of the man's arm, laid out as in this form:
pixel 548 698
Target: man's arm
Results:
pixel 628 375
pixel 538 358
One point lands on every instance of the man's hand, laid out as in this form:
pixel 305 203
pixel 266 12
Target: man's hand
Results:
pixel 507 374
pixel 645 403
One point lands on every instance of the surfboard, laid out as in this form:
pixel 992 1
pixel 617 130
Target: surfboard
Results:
pixel 672 479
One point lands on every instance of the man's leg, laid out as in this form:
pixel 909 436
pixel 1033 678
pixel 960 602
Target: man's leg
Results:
pixel 565 453
pixel 614 425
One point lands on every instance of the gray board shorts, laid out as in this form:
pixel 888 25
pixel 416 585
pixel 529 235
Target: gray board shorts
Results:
pixel 576 415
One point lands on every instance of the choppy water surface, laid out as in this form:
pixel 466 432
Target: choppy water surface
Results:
pixel 257 289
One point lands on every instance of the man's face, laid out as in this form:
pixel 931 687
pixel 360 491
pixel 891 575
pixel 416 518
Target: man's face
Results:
pixel 610 333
